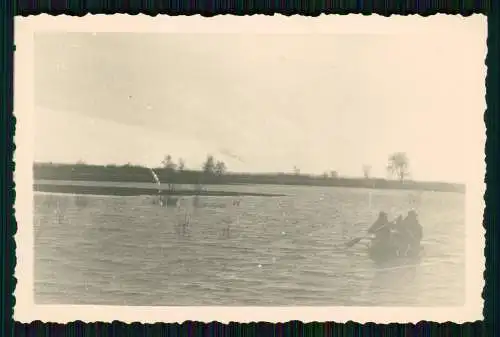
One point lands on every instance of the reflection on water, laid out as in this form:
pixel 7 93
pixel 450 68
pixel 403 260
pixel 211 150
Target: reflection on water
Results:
pixel 260 251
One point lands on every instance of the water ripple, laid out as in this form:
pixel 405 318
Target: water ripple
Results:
pixel 267 251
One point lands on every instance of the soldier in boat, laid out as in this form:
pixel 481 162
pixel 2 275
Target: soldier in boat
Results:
pixel 399 238
pixel 379 226
pixel 408 233
pixel 398 221
pixel 415 226
pixel 381 229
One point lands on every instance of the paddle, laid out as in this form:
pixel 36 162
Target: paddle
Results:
pixel 354 241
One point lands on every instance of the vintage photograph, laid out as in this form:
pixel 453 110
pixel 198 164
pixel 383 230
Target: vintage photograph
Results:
pixel 300 168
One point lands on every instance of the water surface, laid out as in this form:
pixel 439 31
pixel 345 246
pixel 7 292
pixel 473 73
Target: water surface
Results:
pixel 268 251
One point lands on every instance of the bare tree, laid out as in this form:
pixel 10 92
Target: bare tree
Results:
pixel 367 171
pixel 209 165
pixel 168 163
pixel 170 167
pixel 220 168
pixel 399 166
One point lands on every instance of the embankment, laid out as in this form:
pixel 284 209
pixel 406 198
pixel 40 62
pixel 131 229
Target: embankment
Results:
pixel 135 191
pixel 140 174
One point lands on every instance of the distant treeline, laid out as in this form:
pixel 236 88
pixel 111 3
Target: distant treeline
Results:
pixel 133 173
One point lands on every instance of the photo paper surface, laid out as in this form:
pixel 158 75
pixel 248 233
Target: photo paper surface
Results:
pixel 249 168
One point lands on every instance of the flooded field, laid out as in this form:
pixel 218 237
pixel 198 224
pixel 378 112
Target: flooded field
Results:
pixel 266 251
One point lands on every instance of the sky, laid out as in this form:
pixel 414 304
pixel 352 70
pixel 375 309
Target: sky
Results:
pixel 260 102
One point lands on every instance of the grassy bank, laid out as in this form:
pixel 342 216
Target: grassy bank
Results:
pixel 134 191
pixel 129 173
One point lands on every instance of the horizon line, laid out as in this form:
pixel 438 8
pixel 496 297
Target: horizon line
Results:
pixel 261 173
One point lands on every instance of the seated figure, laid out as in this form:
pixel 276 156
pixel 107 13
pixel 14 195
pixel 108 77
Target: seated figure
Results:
pixel 409 234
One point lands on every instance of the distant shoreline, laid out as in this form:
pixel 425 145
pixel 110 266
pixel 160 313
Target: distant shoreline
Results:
pixel 137 191
pixel 140 174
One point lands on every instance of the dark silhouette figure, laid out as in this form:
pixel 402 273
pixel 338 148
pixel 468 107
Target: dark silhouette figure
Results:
pixel 408 235
pixel 381 246
pixel 381 226
pixel 393 239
